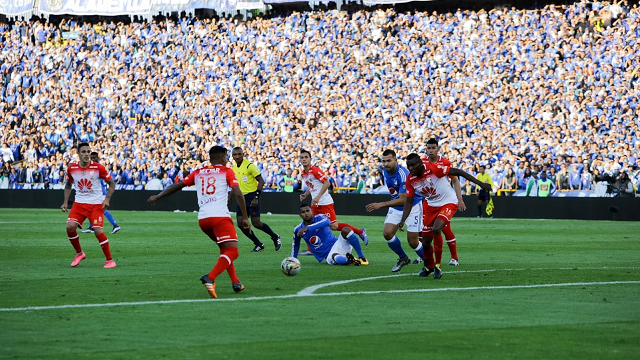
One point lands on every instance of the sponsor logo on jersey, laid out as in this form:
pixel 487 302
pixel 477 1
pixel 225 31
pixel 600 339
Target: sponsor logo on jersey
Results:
pixel 84 185
pixel 315 241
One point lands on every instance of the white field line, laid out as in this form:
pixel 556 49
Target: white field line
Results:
pixel 311 289
pixel 33 308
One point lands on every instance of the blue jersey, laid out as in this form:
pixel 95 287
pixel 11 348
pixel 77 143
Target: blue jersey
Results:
pixel 104 187
pixel 318 237
pixel 397 184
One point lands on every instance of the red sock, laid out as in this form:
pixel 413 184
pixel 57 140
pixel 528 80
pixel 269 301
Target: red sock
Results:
pixel 355 230
pixel 227 255
pixel 437 247
pixel 104 243
pixel 451 241
pixel 75 240
pixel 427 251
pixel 231 270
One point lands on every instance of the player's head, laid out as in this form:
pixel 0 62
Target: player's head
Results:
pixel 481 169
pixel 84 152
pixel 432 148
pixel 237 154
pixel 94 156
pixel 305 212
pixel 543 175
pixel 305 158
pixel 389 161
pixel 218 155
pixel 414 164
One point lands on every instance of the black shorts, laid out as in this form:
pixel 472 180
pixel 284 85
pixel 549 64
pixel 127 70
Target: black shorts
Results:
pixel 251 211
pixel 484 195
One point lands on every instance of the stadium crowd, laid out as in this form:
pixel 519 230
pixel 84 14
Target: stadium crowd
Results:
pixel 550 89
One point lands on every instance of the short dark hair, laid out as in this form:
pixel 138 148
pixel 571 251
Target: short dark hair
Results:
pixel 304 205
pixel 217 151
pixel 304 151
pixel 94 153
pixel 413 157
pixel 83 144
pixel 389 152
pixel 432 141
pixel 237 148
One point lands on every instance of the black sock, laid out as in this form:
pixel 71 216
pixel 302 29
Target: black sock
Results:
pixel 479 210
pixel 252 236
pixel 267 229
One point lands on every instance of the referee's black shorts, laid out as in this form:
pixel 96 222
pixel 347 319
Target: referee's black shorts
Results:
pixel 251 211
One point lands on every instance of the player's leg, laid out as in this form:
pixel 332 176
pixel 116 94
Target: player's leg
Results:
pixel 414 226
pixel 216 229
pixel 340 252
pixel 389 234
pixel 258 245
pixel 254 212
pixel 348 235
pixel 450 238
pixel 479 202
pixel 75 218
pixel 429 217
pixel 329 210
pixel 109 216
pixel 97 220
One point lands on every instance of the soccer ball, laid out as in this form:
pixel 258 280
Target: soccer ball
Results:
pixel 290 266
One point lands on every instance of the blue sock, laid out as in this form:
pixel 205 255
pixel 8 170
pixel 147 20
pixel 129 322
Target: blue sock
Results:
pixel 352 238
pixel 109 217
pixel 418 251
pixel 341 260
pixel 396 246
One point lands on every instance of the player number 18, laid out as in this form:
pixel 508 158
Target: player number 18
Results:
pixel 210 187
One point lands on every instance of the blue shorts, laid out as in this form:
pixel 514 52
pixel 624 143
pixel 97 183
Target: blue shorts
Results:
pixel 251 211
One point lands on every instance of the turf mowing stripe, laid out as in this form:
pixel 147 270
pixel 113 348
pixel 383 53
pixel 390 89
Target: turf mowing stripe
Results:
pixel 33 308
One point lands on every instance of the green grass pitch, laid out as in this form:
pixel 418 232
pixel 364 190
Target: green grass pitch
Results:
pixel 525 289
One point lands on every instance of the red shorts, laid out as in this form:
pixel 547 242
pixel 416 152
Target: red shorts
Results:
pixel 79 212
pixel 430 214
pixel 325 209
pixel 219 229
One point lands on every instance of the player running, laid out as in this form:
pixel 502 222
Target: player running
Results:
pixel 395 177
pixel 85 176
pixel 432 152
pixel 429 180
pixel 212 187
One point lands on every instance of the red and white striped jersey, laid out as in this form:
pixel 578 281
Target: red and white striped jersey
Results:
pixel 86 181
pixel 433 185
pixel 314 179
pixel 213 184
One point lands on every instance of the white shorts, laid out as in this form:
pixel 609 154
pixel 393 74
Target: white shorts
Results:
pixel 340 247
pixel 413 222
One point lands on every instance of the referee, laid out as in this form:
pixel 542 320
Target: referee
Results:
pixel 251 184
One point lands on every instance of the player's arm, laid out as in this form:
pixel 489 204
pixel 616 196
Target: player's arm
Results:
pixel 325 186
pixel 173 188
pixel 110 190
pixel 466 175
pixel 401 200
pixel 67 193
pixel 295 245
pixel 456 185
pixel 235 191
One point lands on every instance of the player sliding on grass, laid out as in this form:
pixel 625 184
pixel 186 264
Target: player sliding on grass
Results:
pixel 212 186
pixel 430 181
pixel 316 232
